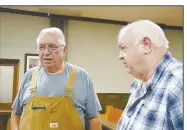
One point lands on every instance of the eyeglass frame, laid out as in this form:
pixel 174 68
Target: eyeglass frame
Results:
pixel 49 48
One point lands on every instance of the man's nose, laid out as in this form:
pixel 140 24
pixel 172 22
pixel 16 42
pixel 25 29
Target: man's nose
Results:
pixel 46 51
pixel 120 56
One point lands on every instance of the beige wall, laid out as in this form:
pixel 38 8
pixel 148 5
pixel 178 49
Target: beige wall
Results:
pixel 18 34
pixel 91 46
pixel 176 40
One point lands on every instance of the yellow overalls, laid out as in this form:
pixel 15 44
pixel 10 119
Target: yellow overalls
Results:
pixel 51 113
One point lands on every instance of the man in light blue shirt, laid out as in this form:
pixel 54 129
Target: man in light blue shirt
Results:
pixel 53 76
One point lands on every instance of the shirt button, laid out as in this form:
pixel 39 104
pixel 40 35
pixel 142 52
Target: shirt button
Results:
pixel 53 110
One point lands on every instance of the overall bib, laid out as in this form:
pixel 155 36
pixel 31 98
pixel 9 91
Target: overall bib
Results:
pixel 51 113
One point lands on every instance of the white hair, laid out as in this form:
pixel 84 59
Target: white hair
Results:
pixel 52 31
pixel 145 28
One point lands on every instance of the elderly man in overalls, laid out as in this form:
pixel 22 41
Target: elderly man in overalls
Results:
pixel 56 95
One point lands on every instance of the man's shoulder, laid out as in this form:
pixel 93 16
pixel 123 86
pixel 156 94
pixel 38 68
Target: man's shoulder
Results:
pixel 80 71
pixel 30 71
pixel 174 72
pixel 173 77
pixel 28 74
pixel 175 67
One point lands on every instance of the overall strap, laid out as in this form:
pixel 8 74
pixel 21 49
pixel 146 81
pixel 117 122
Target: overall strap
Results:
pixel 34 81
pixel 69 87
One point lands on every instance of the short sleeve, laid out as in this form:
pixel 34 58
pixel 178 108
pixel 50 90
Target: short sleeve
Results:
pixel 92 102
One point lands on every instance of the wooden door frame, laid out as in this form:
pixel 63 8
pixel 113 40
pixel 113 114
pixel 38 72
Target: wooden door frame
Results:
pixel 15 63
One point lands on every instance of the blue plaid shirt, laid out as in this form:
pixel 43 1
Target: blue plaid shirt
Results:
pixel 159 104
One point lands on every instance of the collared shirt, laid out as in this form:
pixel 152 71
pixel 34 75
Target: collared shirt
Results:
pixel 159 104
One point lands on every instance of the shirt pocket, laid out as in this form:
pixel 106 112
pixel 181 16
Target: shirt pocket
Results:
pixel 39 118
pixel 151 106
pixel 153 115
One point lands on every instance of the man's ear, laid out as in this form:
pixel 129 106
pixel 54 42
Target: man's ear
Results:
pixel 65 49
pixel 147 43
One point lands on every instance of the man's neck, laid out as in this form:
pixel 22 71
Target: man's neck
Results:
pixel 55 69
pixel 152 63
pixel 146 76
pixel 150 70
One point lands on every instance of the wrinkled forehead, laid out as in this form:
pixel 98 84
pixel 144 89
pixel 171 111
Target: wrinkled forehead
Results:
pixel 120 42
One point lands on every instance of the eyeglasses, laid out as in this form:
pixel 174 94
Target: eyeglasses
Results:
pixel 50 47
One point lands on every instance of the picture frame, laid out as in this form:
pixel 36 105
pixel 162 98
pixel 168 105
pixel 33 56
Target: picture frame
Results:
pixel 31 60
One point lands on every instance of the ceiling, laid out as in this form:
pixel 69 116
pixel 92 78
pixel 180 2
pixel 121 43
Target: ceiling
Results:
pixel 169 15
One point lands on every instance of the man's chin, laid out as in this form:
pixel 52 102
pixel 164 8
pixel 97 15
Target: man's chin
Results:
pixel 48 65
pixel 128 70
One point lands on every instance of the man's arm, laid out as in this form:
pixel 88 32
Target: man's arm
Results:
pixel 17 104
pixel 14 121
pixel 92 107
pixel 95 123
pixel 176 113
pixel 175 104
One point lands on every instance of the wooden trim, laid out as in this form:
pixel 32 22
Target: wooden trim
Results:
pixel 17 78
pixel 32 13
pixel 15 81
pixel 8 62
pixel 5 112
pixel 5 106
pixel 117 100
pixel 15 64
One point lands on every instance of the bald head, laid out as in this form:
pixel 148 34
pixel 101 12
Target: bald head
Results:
pixel 138 30
pixel 142 44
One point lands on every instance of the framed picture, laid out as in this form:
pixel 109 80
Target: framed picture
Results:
pixel 31 60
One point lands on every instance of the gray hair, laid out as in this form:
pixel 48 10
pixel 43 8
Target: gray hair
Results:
pixel 53 31
pixel 145 28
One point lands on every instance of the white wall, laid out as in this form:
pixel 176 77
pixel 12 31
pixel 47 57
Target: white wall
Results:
pixel 18 34
pixel 6 72
pixel 93 46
